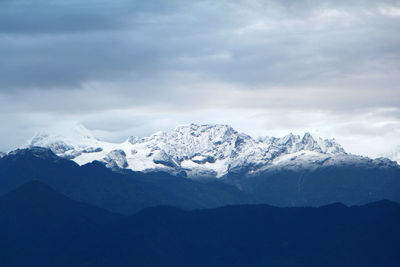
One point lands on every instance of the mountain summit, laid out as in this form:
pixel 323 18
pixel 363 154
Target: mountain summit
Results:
pixel 199 151
pixel 289 171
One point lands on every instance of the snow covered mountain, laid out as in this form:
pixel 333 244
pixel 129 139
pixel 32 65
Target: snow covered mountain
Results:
pixel 202 151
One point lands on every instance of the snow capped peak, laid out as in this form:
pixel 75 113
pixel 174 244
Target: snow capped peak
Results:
pixel 202 134
pixel 76 133
pixel 195 150
pixel 205 148
pixel 294 143
pixel 68 142
pixel 201 128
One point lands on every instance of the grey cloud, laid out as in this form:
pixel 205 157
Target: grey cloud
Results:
pixel 266 43
pixel 45 17
pixel 63 16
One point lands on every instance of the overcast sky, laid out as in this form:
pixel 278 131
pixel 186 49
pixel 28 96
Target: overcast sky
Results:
pixel 125 68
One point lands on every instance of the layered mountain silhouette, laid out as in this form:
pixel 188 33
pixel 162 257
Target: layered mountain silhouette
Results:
pixel 126 191
pixel 40 227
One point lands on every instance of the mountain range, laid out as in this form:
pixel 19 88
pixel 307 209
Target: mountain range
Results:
pixel 226 168
pixel 126 192
pixel 203 151
pixel 40 227
pixel 200 195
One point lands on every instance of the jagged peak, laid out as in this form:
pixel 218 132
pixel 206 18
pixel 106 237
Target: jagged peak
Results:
pixel 134 139
pixel 307 136
pixel 196 148
pixel 196 126
pixel 290 136
pixel 192 131
pixel 205 128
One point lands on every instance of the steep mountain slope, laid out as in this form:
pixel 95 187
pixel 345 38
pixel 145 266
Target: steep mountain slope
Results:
pixel 290 171
pixel 121 192
pixel 125 191
pixel 39 227
pixel 349 184
pixel 202 151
